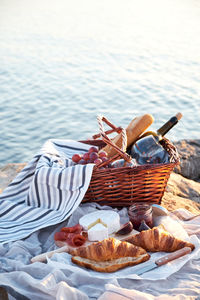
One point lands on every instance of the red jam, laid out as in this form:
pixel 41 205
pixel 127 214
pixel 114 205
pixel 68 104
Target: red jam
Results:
pixel 139 212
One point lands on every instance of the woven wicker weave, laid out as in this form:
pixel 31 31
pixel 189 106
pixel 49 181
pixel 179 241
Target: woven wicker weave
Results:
pixel 121 187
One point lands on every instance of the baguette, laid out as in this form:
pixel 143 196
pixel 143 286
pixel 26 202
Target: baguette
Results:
pixel 136 127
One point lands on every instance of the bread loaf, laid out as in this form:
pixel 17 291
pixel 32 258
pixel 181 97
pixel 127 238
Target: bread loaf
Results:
pixel 136 127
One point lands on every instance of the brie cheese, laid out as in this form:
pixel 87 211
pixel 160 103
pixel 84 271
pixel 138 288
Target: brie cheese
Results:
pixel 97 233
pixel 107 218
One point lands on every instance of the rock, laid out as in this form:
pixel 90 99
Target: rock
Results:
pixel 8 173
pixel 182 193
pixel 189 152
pixel 183 188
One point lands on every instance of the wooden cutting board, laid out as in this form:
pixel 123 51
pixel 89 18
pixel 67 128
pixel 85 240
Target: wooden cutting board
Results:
pixel 64 247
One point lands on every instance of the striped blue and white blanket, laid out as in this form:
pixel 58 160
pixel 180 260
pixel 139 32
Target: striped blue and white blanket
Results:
pixel 46 192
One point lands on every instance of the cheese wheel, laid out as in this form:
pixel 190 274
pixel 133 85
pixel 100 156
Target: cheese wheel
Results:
pixel 136 127
pixel 107 218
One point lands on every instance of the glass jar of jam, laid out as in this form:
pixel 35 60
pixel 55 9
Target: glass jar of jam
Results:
pixel 139 212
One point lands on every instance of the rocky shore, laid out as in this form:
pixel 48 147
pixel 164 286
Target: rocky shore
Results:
pixel 183 188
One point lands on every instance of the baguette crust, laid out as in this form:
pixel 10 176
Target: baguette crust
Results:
pixel 109 255
pixel 158 239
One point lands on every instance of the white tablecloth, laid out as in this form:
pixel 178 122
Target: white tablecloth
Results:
pixel 60 279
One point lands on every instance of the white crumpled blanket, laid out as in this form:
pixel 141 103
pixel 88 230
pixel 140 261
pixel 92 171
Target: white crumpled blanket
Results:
pixel 61 279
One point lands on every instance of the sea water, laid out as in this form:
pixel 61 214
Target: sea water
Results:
pixel 64 62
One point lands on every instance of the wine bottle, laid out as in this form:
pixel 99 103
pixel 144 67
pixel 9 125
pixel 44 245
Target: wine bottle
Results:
pixel 165 128
pixel 148 149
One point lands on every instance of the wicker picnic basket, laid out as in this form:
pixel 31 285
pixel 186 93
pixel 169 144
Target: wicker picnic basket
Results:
pixel 121 187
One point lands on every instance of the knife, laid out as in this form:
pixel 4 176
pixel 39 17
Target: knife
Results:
pixel 164 260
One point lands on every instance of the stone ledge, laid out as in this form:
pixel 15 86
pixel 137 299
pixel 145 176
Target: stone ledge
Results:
pixel 182 193
pixel 189 152
pixel 8 173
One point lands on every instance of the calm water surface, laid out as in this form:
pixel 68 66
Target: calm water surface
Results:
pixel 63 62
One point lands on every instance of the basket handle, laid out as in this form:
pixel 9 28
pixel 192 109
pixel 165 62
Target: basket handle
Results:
pixel 114 128
pixel 121 152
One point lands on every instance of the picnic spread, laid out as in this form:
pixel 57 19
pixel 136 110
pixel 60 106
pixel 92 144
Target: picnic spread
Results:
pixel 84 220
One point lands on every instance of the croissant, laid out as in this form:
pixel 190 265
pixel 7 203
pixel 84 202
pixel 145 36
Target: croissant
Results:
pixel 158 239
pixel 109 255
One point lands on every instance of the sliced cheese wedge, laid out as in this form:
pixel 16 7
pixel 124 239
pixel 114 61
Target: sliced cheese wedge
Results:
pixel 98 233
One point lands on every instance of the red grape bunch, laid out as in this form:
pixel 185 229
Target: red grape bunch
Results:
pixel 92 156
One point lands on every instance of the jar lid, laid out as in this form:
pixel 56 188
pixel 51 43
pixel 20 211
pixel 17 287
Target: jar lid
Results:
pixel 159 210
pixel 143 206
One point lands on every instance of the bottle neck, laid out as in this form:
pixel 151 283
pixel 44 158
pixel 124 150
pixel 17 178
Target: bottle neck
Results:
pixel 167 126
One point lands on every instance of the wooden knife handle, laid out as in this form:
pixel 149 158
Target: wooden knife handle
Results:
pixel 43 257
pixel 171 256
